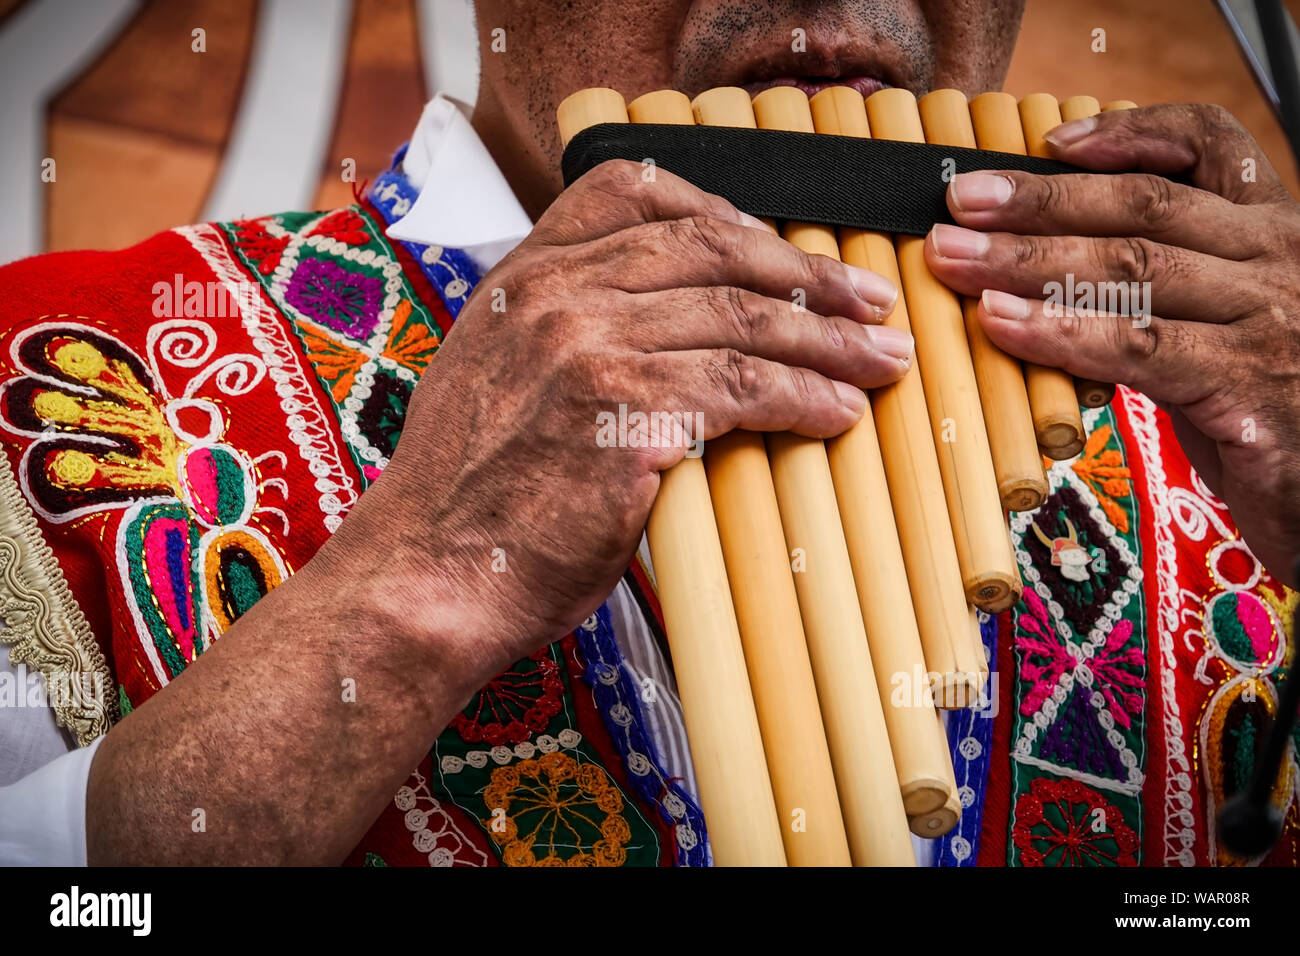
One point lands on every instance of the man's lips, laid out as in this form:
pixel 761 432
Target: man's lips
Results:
pixel 866 85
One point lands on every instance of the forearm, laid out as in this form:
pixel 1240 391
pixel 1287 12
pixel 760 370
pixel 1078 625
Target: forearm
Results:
pixel 292 732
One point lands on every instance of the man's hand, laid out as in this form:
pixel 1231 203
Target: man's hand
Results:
pixel 1221 348
pixel 651 295
pixel 499 523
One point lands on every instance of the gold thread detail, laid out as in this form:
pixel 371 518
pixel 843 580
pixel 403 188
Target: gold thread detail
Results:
pixel 43 624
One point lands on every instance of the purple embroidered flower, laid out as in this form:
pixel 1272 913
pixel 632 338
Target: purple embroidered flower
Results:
pixel 344 301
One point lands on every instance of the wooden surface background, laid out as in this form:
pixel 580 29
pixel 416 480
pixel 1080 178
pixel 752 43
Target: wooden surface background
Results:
pixel 139 132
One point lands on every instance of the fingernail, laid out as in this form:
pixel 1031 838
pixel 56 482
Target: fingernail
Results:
pixel 851 397
pixel 1071 132
pixel 1004 305
pixel 954 242
pixel 976 192
pixel 893 342
pixel 753 222
pixel 873 288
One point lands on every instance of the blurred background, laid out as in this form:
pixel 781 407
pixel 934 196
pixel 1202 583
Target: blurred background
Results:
pixel 147 133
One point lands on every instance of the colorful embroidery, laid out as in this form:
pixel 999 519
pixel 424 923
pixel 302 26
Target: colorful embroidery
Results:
pixel 1079 641
pixel 523 806
pixel 106 434
pixel 1064 823
pixel 618 700
pixel 364 329
pixel 518 702
pixel 554 805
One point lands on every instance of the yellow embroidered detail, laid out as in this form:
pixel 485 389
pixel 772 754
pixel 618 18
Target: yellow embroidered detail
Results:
pixel 550 804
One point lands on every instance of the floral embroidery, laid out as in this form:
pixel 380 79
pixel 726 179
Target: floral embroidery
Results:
pixel 518 702
pixel 107 435
pixel 336 298
pixel 1104 471
pixel 571 812
pixel 1064 823
pixel 259 247
pixel 1117 669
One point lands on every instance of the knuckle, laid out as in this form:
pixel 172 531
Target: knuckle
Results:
pixel 833 334
pixel 803 386
pixel 820 271
pixel 1141 344
pixel 1069 325
pixel 1027 252
pixel 616 176
pixel 1152 202
pixel 1049 195
pixel 735 374
pixel 1217 119
pixel 706 235
pixel 737 307
pixel 1133 258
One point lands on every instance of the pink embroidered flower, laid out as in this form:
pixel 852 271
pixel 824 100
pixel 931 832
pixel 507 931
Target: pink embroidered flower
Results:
pixel 1117 671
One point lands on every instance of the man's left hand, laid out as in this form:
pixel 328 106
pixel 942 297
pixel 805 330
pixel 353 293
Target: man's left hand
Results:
pixel 1220 348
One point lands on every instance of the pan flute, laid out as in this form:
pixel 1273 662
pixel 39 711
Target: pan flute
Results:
pixel 819 597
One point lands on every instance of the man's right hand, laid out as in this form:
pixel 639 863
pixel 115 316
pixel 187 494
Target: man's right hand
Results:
pixel 654 295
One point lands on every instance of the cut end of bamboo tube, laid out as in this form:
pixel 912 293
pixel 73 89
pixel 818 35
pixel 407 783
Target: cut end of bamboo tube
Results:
pixel 1093 394
pixel 993 592
pixel 936 823
pixel 957 691
pixel 1023 494
pixel 925 795
pixel 1060 442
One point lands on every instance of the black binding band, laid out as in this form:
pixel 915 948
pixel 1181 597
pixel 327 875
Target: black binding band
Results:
pixel 872 184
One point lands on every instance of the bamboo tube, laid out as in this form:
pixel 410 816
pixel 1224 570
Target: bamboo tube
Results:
pixel 1057 421
pixel 851 707
pixel 703 636
pixel 1090 392
pixel 940 821
pixel 1077 107
pixel 1119 105
pixel 921 512
pixel 1017 464
pixel 767 609
pixel 984 553
pixel 866 515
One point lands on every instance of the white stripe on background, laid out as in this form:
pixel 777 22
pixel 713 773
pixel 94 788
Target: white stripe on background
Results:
pixel 282 131
pixel 449 47
pixel 42 47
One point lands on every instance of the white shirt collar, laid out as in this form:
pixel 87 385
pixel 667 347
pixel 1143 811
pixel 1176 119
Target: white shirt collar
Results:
pixel 464 202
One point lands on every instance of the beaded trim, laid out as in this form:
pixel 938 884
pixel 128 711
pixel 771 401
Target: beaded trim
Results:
pixel 1179 835
pixel 616 696
pixel 451 271
pixel 43 624
pixel 970 736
